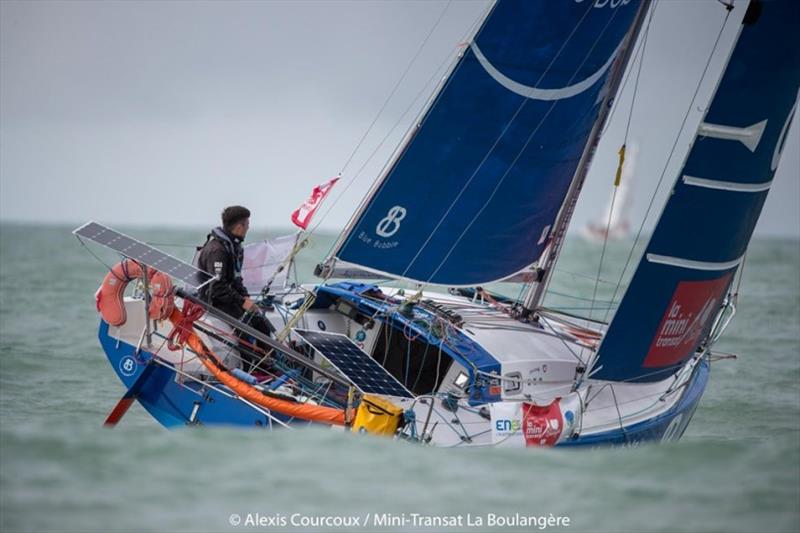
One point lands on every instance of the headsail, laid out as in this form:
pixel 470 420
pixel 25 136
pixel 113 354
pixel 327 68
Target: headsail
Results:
pixel 473 195
pixel 703 233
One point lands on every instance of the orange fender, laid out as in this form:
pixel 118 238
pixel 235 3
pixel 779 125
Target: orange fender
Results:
pixel 109 296
pixel 315 413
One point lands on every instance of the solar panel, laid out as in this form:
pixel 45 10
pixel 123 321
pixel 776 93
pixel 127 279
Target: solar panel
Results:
pixel 144 253
pixel 365 373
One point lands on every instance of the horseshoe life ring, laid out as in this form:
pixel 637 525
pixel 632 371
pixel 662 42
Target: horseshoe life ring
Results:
pixel 109 296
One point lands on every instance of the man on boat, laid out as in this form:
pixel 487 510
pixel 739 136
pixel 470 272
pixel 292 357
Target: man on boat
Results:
pixel 222 255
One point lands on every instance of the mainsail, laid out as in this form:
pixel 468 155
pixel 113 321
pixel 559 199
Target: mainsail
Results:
pixel 473 195
pixel 702 235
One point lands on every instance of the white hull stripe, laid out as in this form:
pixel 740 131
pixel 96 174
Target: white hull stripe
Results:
pixel 542 94
pixel 695 265
pixel 727 185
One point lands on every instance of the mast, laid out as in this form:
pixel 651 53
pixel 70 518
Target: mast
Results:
pixel 535 294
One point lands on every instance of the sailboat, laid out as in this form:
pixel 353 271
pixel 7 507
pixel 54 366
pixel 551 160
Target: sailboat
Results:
pixel 614 224
pixel 482 190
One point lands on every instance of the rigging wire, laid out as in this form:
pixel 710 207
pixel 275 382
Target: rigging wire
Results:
pixel 391 130
pixel 581 298
pixel 740 274
pixel 640 54
pixel 621 162
pixel 396 86
pixel 472 29
pixel 669 158
pixel 170 245
pixel 585 276
pixel 422 91
pixel 636 55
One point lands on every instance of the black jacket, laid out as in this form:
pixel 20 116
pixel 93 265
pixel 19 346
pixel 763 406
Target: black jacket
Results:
pixel 222 256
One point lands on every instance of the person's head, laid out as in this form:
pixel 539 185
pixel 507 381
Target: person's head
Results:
pixel 236 220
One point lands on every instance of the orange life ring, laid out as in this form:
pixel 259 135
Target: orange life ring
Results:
pixel 109 296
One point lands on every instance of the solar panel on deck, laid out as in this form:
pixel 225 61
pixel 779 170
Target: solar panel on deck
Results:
pixel 365 373
pixel 144 253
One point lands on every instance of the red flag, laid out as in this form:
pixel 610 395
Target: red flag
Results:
pixel 302 216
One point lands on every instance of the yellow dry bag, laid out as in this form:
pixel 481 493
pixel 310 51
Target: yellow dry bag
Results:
pixel 377 416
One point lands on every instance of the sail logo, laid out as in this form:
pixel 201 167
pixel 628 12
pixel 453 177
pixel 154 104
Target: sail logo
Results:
pixel 693 305
pixel 613 4
pixel 390 224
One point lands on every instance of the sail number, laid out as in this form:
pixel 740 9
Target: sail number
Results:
pixel 390 224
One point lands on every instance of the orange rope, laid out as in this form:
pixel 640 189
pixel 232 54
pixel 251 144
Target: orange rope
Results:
pixel 314 413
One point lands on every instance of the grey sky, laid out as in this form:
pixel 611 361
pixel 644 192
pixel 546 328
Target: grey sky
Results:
pixel 164 112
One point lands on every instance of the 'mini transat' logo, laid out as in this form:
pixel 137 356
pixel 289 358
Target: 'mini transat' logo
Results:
pixel 692 307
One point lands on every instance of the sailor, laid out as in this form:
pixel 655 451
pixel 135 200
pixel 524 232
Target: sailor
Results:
pixel 222 255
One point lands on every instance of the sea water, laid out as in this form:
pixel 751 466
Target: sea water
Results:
pixel 737 468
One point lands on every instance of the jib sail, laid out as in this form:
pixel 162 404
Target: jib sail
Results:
pixel 701 238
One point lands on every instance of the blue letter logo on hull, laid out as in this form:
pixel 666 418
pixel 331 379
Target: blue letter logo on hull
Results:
pixel 127 366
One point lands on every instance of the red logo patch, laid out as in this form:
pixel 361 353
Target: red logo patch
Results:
pixel 542 425
pixel 693 305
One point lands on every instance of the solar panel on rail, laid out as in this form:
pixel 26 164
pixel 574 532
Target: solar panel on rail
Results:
pixel 365 373
pixel 144 253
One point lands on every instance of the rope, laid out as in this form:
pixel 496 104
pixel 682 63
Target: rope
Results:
pixel 352 180
pixel 422 366
pixel 618 177
pixel 740 273
pixel 619 414
pixel 641 51
pixel 669 158
pixel 380 174
pixel 564 295
pixel 181 331
pixel 97 257
pixel 407 361
pixel 586 276
pixel 638 51
pixel 635 91
pixel 171 245
pixel 563 340
pixel 300 312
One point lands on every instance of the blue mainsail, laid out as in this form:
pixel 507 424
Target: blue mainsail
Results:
pixel 701 238
pixel 473 195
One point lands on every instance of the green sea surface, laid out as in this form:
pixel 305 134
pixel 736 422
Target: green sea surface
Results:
pixel 737 468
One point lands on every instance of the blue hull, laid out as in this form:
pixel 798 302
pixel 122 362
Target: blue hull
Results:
pixel 177 404
pixel 194 403
pixel 667 426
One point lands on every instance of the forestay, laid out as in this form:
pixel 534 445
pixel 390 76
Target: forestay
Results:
pixel 701 238
pixel 474 193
